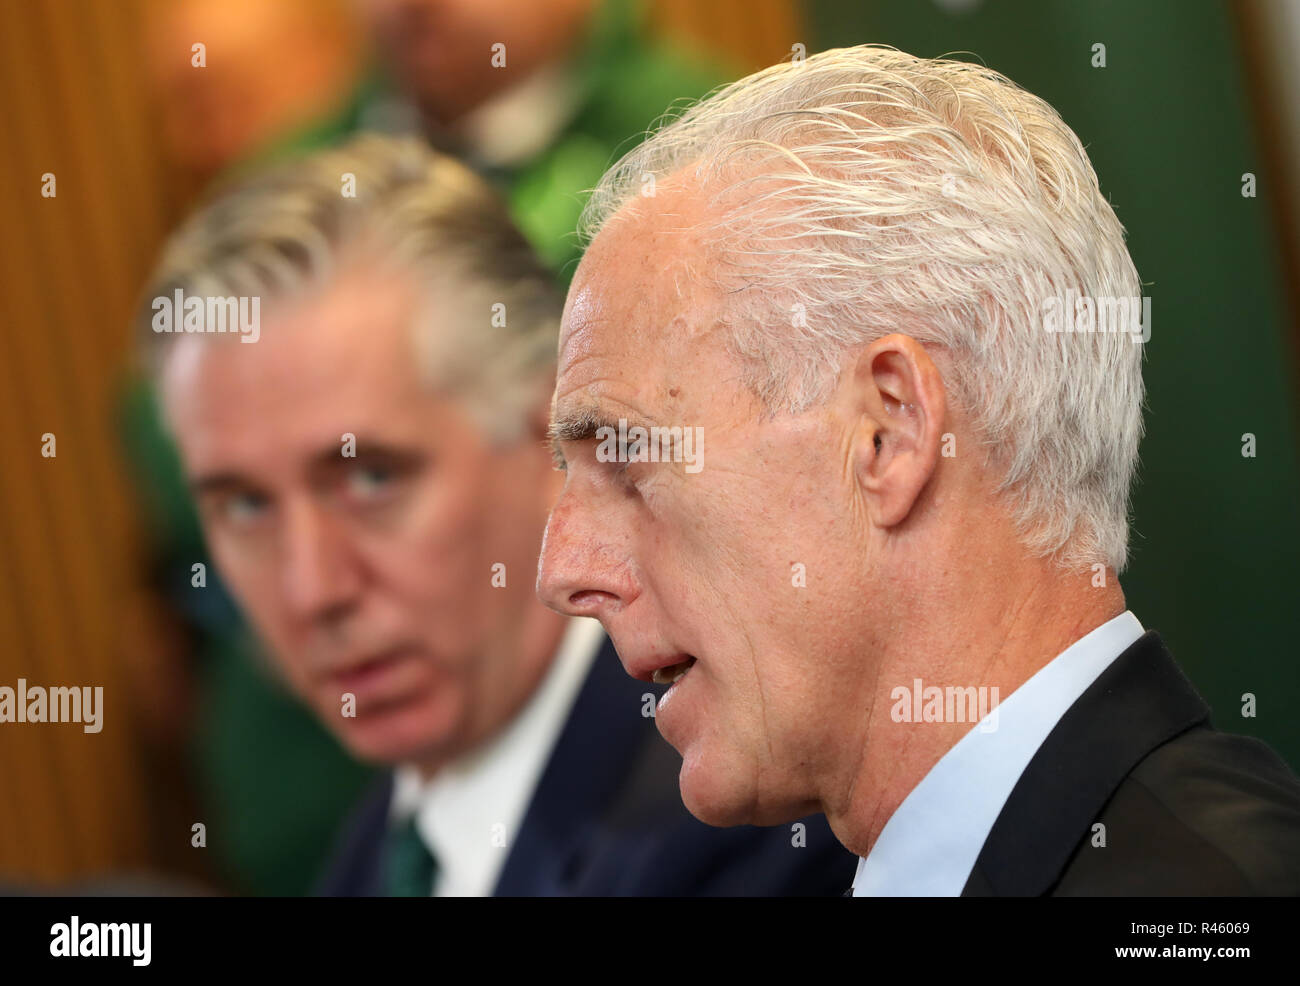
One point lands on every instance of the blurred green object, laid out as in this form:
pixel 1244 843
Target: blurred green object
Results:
pixel 274 785
pixel 1216 536
pixel 626 85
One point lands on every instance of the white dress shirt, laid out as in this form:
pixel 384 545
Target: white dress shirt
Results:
pixel 930 844
pixel 469 813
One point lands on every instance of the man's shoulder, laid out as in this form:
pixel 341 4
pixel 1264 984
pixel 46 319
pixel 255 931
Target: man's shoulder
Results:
pixel 1134 793
pixel 1206 813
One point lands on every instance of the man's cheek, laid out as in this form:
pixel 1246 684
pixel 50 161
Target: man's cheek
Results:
pixel 247 583
pixel 293 667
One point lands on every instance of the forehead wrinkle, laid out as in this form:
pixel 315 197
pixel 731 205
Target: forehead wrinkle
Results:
pixel 579 324
pixel 639 306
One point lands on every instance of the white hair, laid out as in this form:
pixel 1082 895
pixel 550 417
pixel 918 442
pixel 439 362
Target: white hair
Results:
pixel 870 191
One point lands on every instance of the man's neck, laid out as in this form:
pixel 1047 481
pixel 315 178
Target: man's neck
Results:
pixel 987 636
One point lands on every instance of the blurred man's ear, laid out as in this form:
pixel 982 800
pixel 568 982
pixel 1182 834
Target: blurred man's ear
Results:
pixel 899 397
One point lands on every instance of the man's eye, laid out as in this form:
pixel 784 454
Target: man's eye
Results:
pixel 243 508
pixel 368 482
pixel 630 454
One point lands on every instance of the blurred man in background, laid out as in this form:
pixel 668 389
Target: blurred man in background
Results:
pixel 373 480
pixel 539 95
pixel 429 43
pixel 231 78
pixel 577 80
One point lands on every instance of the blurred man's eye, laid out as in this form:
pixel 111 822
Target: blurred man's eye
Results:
pixel 373 482
pixel 243 508
pixel 368 481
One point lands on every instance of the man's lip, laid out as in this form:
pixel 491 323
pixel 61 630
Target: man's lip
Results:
pixel 359 667
pixel 644 669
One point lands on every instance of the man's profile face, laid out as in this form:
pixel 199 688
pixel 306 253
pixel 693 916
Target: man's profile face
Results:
pixel 372 574
pixel 746 565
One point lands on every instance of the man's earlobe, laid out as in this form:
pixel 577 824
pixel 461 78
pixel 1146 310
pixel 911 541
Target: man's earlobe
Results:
pixel 901 395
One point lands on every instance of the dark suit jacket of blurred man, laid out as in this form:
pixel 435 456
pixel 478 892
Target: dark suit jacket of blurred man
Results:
pixel 606 819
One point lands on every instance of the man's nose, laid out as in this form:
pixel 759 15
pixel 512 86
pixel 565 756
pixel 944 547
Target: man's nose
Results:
pixel 321 579
pixel 581 571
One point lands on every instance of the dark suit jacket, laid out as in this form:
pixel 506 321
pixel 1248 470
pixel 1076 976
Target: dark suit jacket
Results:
pixel 1187 810
pixel 607 820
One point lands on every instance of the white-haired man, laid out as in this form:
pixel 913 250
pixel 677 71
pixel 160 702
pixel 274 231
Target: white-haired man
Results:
pixel 860 276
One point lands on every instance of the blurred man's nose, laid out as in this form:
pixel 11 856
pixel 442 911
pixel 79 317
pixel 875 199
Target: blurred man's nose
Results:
pixel 580 572
pixel 321 577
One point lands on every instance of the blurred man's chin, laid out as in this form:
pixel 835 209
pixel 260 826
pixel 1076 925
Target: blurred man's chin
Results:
pixel 391 738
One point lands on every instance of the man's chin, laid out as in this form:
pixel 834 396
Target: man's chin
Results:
pixel 712 796
pixel 719 796
pixel 391 737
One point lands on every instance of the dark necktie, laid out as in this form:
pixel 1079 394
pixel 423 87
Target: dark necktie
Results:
pixel 409 867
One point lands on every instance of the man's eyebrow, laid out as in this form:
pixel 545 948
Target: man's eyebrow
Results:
pixel 331 456
pixel 217 482
pixel 328 457
pixel 576 426
pixel 580 425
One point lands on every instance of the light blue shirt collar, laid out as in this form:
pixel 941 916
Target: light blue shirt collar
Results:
pixel 930 844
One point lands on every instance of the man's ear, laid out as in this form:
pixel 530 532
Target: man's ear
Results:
pixel 901 406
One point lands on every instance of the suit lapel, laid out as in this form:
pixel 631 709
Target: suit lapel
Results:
pixel 591 759
pixel 1141 701
pixel 355 868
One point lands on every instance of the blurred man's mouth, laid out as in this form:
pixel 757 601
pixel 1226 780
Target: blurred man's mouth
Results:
pixel 371 676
